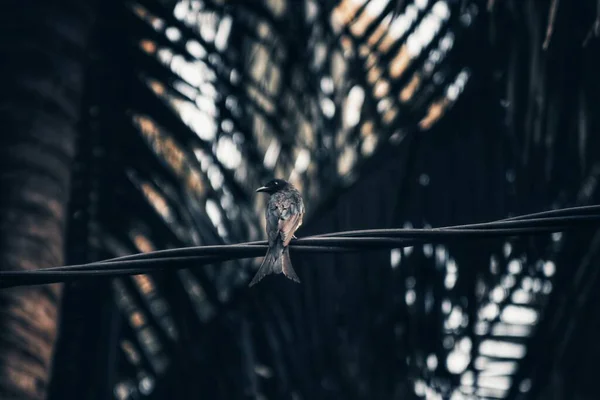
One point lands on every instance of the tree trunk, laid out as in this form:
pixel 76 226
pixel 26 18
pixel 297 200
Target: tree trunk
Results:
pixel 42 47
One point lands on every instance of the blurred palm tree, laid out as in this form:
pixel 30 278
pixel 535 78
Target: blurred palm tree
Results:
pixel 42 50
pixel 216 97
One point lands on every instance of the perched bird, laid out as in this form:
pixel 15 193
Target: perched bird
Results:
pixel 284 214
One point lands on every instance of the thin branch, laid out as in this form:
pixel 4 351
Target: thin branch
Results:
pixel 595 29
pixel 551 20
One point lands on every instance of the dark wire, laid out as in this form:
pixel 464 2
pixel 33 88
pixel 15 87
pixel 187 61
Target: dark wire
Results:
pixel 349 241
pixel 577 214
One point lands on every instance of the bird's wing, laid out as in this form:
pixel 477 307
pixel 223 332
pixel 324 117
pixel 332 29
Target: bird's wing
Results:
pixel 289 221
pixel 273 214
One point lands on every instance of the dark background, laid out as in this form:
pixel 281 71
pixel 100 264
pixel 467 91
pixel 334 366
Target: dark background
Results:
pixel 97 160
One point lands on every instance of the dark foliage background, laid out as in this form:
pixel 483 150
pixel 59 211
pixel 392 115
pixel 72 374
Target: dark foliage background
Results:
pixel 384 114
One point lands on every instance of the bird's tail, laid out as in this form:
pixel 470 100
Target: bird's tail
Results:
pixel 276 261
pixel 286 266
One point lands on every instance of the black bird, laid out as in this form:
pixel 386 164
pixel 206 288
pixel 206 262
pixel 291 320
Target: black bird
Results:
pixel 284 216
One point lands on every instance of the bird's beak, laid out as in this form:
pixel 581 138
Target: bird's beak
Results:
pixel 262 189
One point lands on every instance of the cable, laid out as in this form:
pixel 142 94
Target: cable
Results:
pixel 349 241
pixel 532 218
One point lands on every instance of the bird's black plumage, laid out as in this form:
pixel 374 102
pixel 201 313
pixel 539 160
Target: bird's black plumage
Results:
pixel 284 214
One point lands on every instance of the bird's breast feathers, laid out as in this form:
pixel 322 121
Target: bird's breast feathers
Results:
pixel 289 208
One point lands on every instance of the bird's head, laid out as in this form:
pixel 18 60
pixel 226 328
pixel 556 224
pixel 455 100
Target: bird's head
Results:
pixel 274 186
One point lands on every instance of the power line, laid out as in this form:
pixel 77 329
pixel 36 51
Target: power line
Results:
pixel 344 242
